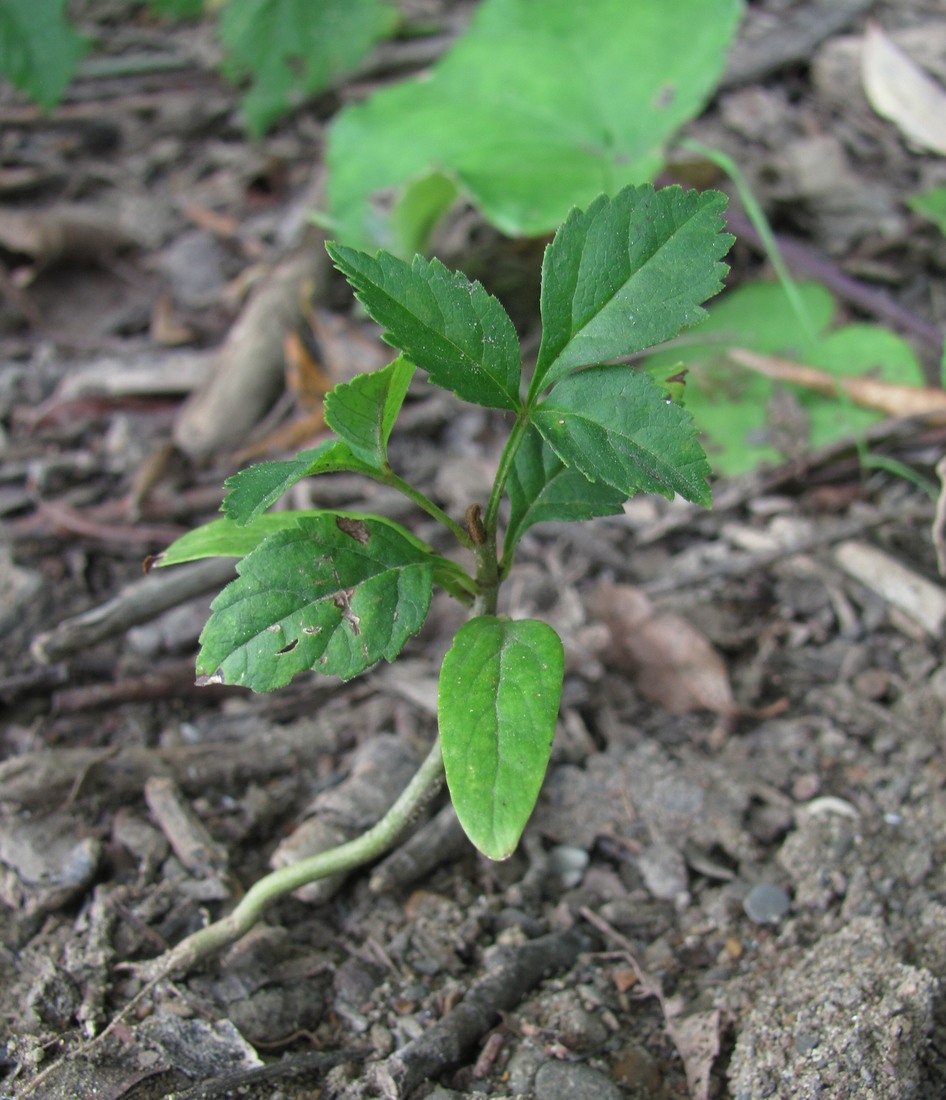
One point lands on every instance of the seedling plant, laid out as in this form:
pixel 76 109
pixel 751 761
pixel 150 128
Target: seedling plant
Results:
pixel 336 591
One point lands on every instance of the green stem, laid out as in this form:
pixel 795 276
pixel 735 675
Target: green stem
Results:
pixel 502 474
pixel 487 578
pixel 455 580
pixel 427 505
pixel 761 225
pixel 377 840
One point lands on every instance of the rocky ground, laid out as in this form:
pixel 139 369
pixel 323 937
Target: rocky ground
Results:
pixel 733 884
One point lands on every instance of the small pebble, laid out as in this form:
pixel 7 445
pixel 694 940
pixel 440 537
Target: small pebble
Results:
pixel 634 1068
pixel 806 1041
pixel 569 864
pixel 511 917
pixel 766 903
pixel 664 871
pixel 573 1081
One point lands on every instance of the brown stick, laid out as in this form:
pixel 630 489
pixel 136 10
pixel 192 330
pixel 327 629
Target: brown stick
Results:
pixel 513 973
pixel 791 42
pixel 136 603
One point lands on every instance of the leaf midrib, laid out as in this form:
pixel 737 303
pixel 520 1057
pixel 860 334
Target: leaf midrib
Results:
pixel 621 286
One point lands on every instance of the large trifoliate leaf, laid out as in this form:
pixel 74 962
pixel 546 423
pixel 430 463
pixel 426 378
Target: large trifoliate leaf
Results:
pixel 445 324
pixel 363 411
pixel 626 274
pixel 543 489
pixel 295 47
pixel 177 9
pixel 729 405
pixel 617 426
pixel 740 413
pixel 500 687
pixel 540 106
pixel 39 49
pixel 334 594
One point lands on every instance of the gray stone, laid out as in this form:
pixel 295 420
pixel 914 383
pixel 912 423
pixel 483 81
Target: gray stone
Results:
pixel 44 864
pixel 766 903
pixel 18 587
pixel 846 1018
pixel 664 871
pixel 573 1081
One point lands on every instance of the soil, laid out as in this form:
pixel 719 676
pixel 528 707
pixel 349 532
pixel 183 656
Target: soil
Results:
pixel 733 885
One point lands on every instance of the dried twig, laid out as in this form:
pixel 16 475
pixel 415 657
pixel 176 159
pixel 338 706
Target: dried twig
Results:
pixel 512 974
pixel 309 1065
pixel 136 603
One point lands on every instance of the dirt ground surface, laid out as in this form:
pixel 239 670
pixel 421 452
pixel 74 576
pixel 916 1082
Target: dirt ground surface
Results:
pixel 733 885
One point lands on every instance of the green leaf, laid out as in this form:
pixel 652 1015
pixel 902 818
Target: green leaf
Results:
pixel 500 686
pixel 542 489
pixel 364 410
pixel 738 410
pixel 628 273
pixel 443 323
pixel 254 489
pixel 861 349
pixel 932 206
pixel 333 594
pixel 729 405
pixel 419 208
pixel 222 538
pixel 539 106
pixel 290 49
pixel 177 9
pixel 39 50
pixel 617 426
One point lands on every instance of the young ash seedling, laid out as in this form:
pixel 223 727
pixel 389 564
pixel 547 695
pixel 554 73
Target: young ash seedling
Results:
pixel 335 592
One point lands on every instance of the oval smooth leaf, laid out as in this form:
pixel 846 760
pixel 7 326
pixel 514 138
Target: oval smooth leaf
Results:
pixel 500 688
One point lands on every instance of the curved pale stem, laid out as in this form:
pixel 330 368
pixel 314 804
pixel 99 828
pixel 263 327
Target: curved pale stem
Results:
pixel 375 842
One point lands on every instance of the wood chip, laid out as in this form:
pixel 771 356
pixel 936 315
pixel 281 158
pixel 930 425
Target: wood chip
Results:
pixel 188 836
pixel 900 91
pixel 901 587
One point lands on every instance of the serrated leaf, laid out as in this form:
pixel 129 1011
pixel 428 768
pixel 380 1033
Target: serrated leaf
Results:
pixel 445 324
pixel 364 410
pixel 628 273
pixel 616 425
pixel 538 107
pixel 222 538
pixel 543 489
pixel 332 594
pixel 730 406
pixel 500 687
pixel 39 49
pixel 254 489
pixel 293 48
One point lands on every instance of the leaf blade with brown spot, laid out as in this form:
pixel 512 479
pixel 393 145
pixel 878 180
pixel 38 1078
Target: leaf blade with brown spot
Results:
pixel 317 597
